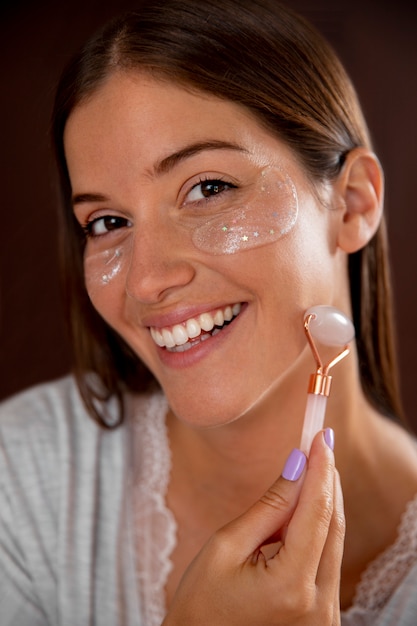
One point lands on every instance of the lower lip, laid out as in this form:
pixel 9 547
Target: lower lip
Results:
pixel 200 350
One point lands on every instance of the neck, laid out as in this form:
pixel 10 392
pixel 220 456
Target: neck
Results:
pixel 240 460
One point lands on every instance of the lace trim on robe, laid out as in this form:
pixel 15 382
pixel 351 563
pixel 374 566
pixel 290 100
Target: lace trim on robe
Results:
pixel 385 573
pixel 155 525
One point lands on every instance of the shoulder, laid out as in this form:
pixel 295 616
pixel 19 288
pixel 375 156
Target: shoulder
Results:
pixel 55 459
pixel 48 441
pixel 43 404
pixel 35 478
pixel 38 427
pixel 402 606
pixel 49 422
pixel 53 408
pixel 63 483
pixel 387 591
pixel 42 420
pixel 400 609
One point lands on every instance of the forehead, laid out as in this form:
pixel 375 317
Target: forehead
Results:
pixel 133 100
pixel 133 107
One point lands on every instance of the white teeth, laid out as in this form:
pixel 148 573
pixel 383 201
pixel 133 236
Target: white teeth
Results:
pixel 181 336
pixel 219 318
pixel 157 337
pixel 228 313
pixel 168 338
pixel 193 328
pixel 206 322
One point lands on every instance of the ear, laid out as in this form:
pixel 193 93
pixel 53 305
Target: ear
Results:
pixel 360 185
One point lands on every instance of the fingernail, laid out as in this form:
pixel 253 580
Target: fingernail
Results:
pixel 329 437
pixel 294 465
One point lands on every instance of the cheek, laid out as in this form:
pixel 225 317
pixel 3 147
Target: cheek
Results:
pixel 309 266
pixel 105 279
pixel 105 276
pixel 267 212
pixel 299 271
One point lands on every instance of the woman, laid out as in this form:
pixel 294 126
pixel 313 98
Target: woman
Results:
pixel 217 180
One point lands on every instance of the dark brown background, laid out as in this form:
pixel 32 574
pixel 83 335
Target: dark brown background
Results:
pixel 378 44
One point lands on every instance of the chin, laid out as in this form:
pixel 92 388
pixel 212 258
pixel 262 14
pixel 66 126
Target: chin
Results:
pixel 204 415
pixel 211 410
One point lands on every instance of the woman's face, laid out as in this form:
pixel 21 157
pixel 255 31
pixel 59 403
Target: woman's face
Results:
pixel 205 242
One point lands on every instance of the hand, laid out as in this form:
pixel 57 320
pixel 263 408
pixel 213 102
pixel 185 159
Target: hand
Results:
pixel 234 582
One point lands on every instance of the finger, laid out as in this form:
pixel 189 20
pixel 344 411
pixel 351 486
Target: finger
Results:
pixel 331 560
pixel 267 516
pixel 309 526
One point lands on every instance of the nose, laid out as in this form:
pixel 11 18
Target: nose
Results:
pixel 159 264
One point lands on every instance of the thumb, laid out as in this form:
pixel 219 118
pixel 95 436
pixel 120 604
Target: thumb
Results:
pixel 272 512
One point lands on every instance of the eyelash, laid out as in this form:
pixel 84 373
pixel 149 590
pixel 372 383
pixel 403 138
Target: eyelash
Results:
pixel 89 227
pixel 217 183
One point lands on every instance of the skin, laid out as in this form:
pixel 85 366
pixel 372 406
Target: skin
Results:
pixel 239 395
pixel 167 283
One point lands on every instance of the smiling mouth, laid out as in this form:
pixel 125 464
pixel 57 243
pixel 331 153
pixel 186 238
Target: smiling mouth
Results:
pixel 182 337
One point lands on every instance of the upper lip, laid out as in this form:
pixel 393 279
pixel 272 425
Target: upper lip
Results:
pixel 181 315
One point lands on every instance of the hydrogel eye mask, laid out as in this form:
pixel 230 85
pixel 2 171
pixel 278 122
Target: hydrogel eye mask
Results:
pixel 101 268
pixel 241 219
pixel 263 214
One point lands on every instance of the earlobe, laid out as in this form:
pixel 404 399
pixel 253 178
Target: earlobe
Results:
pixel 361 186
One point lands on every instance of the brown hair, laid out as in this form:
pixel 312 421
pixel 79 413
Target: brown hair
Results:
pixel 262 55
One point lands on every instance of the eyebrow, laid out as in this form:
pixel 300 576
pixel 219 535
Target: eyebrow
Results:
pixel 82 198
pixel 168 163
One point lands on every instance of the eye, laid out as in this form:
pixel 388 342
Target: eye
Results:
pixel 208 188
pixel 104 225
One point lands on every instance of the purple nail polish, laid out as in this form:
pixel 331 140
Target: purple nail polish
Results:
pixel 329 437
pixel 294 465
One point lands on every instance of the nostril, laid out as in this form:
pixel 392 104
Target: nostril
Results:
pixel 153 288
pixel 151 277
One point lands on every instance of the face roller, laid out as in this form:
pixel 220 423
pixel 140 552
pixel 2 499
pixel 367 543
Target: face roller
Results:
pixel 329 327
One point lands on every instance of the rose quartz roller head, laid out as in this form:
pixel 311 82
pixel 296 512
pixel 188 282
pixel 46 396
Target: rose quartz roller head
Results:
pixel 329 327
